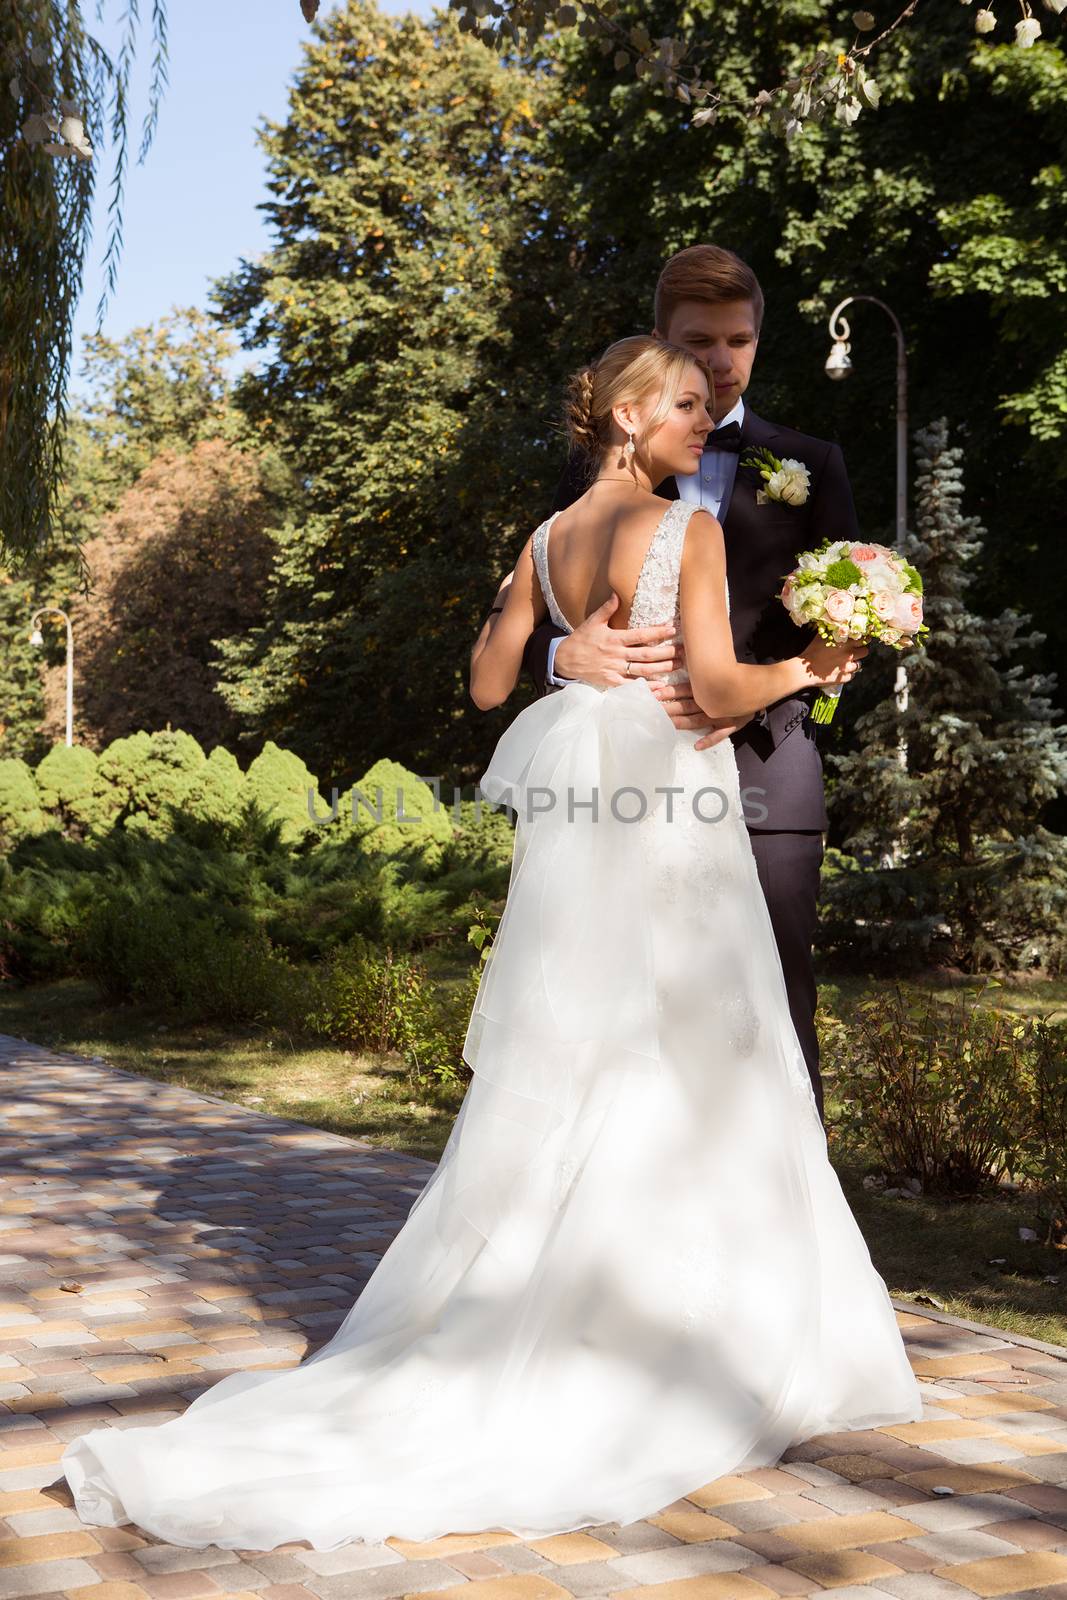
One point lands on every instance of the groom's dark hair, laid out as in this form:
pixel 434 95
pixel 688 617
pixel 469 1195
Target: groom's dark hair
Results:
pixel 705 272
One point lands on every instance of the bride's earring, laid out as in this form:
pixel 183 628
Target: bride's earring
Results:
pixel 629 447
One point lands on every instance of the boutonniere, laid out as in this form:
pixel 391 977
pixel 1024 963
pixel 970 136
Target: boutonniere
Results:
pixel 786 481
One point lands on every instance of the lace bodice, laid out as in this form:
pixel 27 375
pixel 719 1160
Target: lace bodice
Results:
pixel 656 595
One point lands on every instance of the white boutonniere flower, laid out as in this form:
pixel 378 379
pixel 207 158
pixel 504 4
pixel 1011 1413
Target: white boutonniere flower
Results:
pixel 786 481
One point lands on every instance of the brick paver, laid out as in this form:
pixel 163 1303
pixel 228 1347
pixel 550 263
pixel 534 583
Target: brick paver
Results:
pixel 153 1240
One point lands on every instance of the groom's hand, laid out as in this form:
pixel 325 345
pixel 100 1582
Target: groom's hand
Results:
pixel 604 656
pixel 677 700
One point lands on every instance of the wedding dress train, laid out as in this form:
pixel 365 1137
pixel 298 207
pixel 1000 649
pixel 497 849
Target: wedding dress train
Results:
pixel 634 1270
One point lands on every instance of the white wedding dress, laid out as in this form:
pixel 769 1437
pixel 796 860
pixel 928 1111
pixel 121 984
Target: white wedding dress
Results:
pixel 634 1270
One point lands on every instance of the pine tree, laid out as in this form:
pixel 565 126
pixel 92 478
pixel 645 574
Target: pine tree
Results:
pixel 979 879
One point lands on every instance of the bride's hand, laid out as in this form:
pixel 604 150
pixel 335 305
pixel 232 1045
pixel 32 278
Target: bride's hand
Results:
pixel 598 654
pixel 830 663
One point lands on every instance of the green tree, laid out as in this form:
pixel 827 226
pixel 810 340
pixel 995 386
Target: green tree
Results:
pixel 885 207
pixel 981 880
pixel 406 305
pixel 161 387
pixel 162 508
pixel 827 79
pixel 1008 252
pixel 181 562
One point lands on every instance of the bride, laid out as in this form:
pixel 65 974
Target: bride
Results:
pixel 634 1270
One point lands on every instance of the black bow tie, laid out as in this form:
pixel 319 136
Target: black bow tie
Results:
pixel 725 438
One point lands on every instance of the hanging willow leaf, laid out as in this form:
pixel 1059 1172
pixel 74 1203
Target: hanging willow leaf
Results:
pixel 46 191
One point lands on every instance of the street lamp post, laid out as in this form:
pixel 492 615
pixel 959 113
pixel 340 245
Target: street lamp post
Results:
pixel 37 638
pixel 838 366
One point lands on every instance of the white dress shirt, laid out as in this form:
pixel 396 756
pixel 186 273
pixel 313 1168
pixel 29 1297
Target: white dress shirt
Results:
pixel 710 486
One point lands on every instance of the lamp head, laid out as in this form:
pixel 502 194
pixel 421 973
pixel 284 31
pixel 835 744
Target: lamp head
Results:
pixel 838 363
pixel 37 637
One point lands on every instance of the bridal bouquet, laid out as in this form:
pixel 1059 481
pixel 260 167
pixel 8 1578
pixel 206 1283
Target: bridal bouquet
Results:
pixel 855 592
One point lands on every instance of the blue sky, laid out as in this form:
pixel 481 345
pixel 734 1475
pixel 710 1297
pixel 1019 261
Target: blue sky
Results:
pixel 190 210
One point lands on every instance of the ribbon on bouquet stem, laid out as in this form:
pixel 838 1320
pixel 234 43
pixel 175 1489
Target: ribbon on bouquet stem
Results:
pixel 825 703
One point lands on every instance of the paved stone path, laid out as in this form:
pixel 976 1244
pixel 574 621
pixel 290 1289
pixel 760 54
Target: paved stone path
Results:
pixel 153 1239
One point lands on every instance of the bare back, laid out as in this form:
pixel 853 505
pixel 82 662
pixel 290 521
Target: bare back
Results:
pixel 638 554
pixel 595 553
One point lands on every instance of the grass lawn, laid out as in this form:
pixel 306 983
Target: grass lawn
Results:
pixel 926 1245
pixel 946 1247
pixel 1028 998
pixel 310 1082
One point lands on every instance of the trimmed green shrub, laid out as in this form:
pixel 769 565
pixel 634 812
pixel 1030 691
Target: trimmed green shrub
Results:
pixel 65 783
pixel 216 793
pixel 161 781
pixel 139 780
pixel 42 911
pixel 230 977
pixel 21 812
pixel 481 837
pixel 151 859
pixel 395 816
pixel 178 954
pixel 277 783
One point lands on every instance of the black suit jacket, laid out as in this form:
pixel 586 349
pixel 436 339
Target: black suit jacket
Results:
pixel 778 760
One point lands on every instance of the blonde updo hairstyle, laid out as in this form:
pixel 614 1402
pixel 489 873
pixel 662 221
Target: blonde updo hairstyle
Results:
pixel 629 372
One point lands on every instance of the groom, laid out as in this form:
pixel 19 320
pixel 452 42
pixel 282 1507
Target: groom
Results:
pixel 709 302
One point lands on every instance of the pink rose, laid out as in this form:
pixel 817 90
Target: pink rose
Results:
pixel 884 604
pixel 908 612
pixel 863 552
pixel 839 605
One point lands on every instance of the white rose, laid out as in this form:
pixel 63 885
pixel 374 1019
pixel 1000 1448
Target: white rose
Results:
pixel 1026 32
pixel 985 22
pixel 790 484
pixel 880 575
